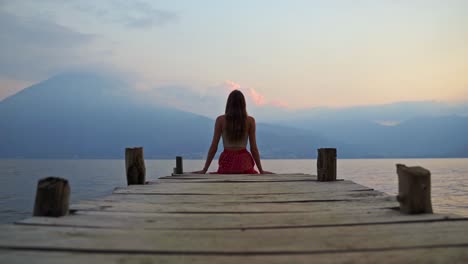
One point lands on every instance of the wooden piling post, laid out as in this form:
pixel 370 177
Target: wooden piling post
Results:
pixel 179 167
pixel 135 166
pixel 326 164
pixel 414 189
pixel 52 197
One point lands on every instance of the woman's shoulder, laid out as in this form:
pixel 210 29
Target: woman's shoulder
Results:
pixel 221 118
pixel 250 121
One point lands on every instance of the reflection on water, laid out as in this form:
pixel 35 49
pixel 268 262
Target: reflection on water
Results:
pixel 95 178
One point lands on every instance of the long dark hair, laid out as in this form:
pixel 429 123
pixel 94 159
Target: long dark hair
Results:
pixel 236 116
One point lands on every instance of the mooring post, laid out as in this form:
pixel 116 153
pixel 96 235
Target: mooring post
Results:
pixel 326 164
pixel 414 189
pixel 52 197
pixel 135 166
pixel 179 167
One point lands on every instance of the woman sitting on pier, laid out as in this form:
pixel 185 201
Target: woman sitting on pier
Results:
pixel 235 127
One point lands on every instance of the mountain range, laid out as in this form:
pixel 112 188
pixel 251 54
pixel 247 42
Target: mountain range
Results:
pixel 90 115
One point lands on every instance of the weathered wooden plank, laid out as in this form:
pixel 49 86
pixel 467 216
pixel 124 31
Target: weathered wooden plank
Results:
pixel 256 176
pixel 252 198
pixel 252 179
pixel 237 177
pixel 240 188
pixel 311 240
pixel 194 203
pixel 397 256
pixel 241 219
pixel 233 207
pixel 231 221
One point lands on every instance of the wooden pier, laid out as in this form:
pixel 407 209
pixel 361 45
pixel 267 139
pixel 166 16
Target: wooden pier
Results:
pixel 286 218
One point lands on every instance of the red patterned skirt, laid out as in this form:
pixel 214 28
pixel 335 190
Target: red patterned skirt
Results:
pixel 236 162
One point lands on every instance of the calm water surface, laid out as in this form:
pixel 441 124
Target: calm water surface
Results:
pixel 95 178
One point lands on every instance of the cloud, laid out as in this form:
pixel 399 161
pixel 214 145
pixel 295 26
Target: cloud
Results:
pixel 132 14
pixel 33 48
pixel 257 98
pixel 209 101
pixel 254 96
pixel 388 122
pixel 232 85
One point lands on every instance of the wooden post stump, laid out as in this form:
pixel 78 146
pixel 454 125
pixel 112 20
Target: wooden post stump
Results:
pixel 135 166
pixel 52 197
pixel 326 164
pixel 179 167
pixel 414 189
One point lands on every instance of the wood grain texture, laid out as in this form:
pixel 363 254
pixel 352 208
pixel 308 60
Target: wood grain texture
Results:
pixel 238 219
pixel 250 198
pixel 135 166
pixel 210 208
pixel 52 197
pixel 414 189
pixel 138 220
pixel 395 256
pixel 335 238
pixel 242 188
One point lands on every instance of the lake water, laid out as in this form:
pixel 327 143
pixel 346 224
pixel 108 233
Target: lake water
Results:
pixel 95 178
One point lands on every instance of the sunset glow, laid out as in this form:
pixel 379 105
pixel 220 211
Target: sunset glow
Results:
pixel 285 54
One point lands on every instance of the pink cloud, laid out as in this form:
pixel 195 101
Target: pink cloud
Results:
pixel 252 94
pixel 256 97
pixel 231 85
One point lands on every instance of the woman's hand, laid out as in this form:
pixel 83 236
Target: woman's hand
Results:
pixel 266 172
pixel 199 172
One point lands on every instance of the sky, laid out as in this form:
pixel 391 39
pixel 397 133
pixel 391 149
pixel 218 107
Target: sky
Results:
pixel 288 54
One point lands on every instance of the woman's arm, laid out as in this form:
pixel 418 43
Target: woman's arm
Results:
pixel 253 146
pixel 214 144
